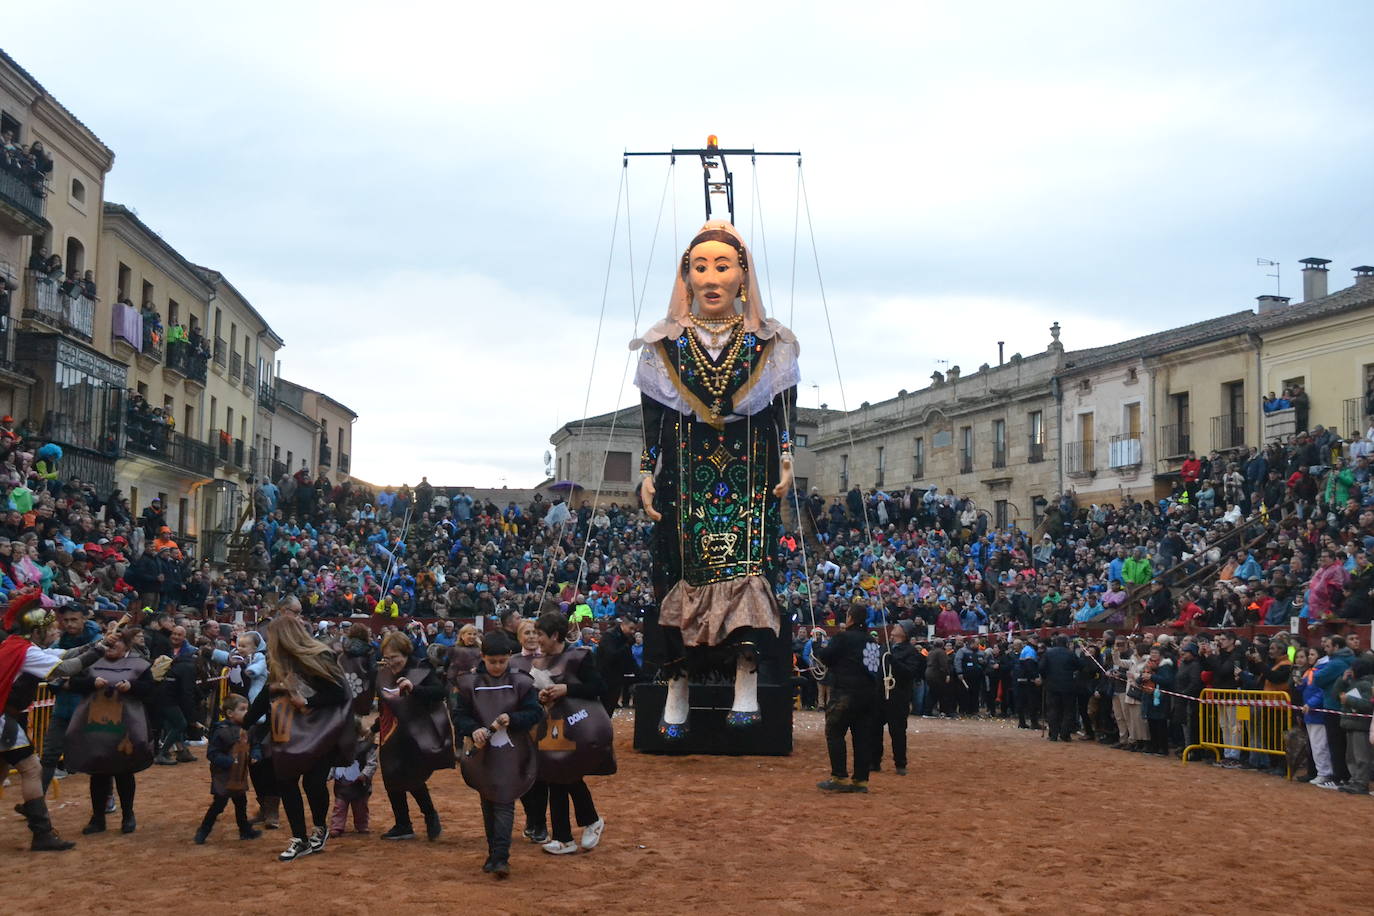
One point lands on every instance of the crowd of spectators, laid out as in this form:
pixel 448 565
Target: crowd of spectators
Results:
pixel 30 163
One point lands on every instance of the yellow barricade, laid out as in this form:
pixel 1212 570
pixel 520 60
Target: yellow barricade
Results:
pixel 40 718
pixel 1244 720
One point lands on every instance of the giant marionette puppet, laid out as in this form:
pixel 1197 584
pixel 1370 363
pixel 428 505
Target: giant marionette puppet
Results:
pixel 718 385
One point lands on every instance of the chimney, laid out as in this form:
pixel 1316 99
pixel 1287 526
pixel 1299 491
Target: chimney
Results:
pixel 1364 276
pixel 1271 303
pixel 1001 344
pixel 1313 278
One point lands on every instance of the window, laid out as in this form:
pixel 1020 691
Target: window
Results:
pixel 182 508
pixel 1132 375
pixel 882 456
pixel 126 279
pixel 1000 517
pixel 173 312
pixel 78 191
pixel 1085 386
pixel 148 293
pixel 142 388
pixel 617 468
pixel 965 449
pixel 1177 434
pixel 133 500
pixel 290 459
pixel 76 256
pixel 1035 435
pixel 189 429
pixel 214 410
pixel 1083 455
pixel 1229 428
pixel 844 473
pixel 1131 421
pixel 800 440
pixel 918 458
pixel 1038 504
pixel 999 443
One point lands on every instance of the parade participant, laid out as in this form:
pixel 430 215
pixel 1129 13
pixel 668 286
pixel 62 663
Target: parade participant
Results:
pixel 718 396
pixel 359 663
pixel 465 653
pixel 535 801
pixel 1028 692
pixel 307 705
pixel 109 733
pixel 353 784
pixel 904 665
pixel 496 706
pixel 77 631
pixel 853 661
pixel 26 661
pixel 230 753
pixel 572 700
pixel 414 733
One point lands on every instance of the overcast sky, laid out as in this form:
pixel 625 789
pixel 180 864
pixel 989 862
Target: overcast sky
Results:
pixel 420 197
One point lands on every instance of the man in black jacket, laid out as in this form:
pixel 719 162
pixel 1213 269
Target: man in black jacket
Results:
pixel 905 665
pixel 853 662
pixel 1226 663
pixel 1058 670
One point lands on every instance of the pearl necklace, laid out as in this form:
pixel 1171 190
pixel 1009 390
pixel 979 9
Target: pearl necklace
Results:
pixel 716 379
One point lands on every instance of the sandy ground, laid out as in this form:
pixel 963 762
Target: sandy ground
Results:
pixel 992 820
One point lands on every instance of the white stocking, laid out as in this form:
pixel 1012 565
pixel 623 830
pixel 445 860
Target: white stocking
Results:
pixel 746 686
pixel 30 777
pixel 676 706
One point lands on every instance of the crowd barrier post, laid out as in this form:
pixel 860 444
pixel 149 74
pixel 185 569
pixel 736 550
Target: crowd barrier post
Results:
pixel 40 719
pixel 1243 720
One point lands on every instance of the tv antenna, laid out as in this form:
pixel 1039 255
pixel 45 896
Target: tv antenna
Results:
pixel 1277 274
pixel 716 178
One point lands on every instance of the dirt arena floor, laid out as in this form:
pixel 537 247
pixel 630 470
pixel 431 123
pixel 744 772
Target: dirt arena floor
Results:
pixel 999 821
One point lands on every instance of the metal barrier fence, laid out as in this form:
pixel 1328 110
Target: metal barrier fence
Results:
pixel 1243 720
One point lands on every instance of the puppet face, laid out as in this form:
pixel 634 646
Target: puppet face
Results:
pixel 714 277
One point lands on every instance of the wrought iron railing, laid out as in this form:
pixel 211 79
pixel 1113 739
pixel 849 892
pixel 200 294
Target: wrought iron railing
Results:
pixel 148 437
pixel 1035 449
pixel 22 195
pixel 1228 431
pixel 1124 451
pixel 1175 440
pixel 221 348
pixel 326 454
pixel 186 359
pixel 1080 457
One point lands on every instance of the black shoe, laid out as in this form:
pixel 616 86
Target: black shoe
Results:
pixel 201 836
pixel 249 833
pixel 537 835
pixel 433 828
pixel 96 825
pixel 127 824
pixel 399 833
pixel 876 768
pixel 900 771
pixel 1053 738
pixel 501 869
pixel 163 760
pixel 185 756
pixel 835 784
pixel 318 837
pixel 488 865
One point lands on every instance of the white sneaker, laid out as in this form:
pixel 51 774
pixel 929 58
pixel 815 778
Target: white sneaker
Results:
pixel 591 834
pixel 1324 783
pixel 555 848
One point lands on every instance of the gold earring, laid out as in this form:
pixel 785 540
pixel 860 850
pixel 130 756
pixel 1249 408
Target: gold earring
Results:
pixel 744 295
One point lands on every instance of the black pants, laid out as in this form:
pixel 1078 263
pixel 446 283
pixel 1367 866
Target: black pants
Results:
pixel 53 742
pixel 264 779
pixel 396 794
pixel 1060 711
pixel 1335 740
pixel 1083 716
pixel 536 804
pixel 968 693
pixel 892 714
pixel 1159 735
pixel 173 727
pixel 315 782
pixel 559 793
pixel 498 818
pixel 220 802
pixel 103 783
pixel 850 712
pixel 1028 704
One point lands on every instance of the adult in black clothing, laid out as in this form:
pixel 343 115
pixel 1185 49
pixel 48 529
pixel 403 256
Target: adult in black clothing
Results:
pixel 905 665
pixel 1226 662
pixel 415 735
pixel 1059 670
pixel 577 677
pixel 853 662
pixel 307 700
pixel 144 574
pixel 617 663
pixel 152 520
pixel 177 702
pixel 1028 692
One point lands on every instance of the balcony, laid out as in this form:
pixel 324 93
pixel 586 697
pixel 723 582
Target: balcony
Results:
pixel 21 206
pixel 1080 458
pixel 155 440
pixel 240 457
pixel 45 303
pixel 1354 417
pixel 235 366
pixel 343 462
pixel 326 456
pixel 278 469
pixel 222 444
pixel 252 465
pixel 1228 431
pixel 1035 449
pixel 186 361
pixel 267 398
pixel 220 351
pixel 1124 452
pixel 999 455
pixel 249 386
pixel 965 462
pixel 1175 440
pixel 151 351
pixel 94 427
